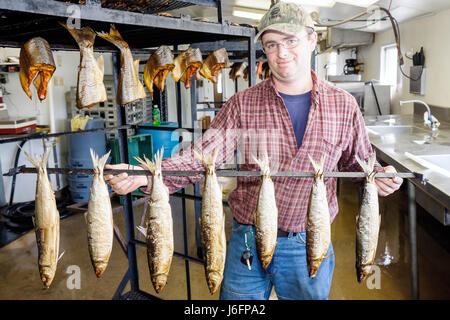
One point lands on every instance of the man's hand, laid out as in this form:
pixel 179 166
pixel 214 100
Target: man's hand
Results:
pixel 123 183
pixel 386 186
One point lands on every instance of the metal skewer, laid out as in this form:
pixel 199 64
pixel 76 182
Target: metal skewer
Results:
pixel 220 172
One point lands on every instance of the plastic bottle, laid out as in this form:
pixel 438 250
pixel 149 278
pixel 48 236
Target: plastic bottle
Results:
pixel 156 115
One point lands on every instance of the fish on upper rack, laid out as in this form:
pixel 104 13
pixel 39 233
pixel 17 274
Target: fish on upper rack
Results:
pixel 157 67
pixel 187 63
pixel 212 224
pixel 212 65
pixel 318 220
pixel 99 217
pixel 266 216
pixel 46 220
pixel 158 224
pixel 237 70
pixel 130 87
pixel 90 87
pixel 36 62
pixel 368 221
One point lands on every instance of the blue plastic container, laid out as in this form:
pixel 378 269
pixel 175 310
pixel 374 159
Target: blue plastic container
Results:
pixel 169 139
pixel 79 144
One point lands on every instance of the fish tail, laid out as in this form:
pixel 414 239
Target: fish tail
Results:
pixel 263 164
pixel 39 162
pixel 318 165
pixel 146 162
pixel 99 163
pixel 114 37
pixel 84 37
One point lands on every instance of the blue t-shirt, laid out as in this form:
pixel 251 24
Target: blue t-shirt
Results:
pixel 298 107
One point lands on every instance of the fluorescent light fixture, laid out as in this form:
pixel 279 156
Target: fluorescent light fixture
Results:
pixel 358 3
pixel 316 3
pixel 247 14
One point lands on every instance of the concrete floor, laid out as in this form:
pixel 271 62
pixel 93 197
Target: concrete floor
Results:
pixel 19 275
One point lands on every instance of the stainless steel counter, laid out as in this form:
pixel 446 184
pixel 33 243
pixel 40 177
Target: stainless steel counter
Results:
pixel 406 133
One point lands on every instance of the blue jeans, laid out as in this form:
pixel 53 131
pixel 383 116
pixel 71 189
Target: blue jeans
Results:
pixel 288 270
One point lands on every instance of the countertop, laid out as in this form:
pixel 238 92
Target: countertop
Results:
pixel 420 140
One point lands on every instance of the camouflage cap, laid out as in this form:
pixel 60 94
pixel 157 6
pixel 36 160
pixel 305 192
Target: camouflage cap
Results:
pixel 285 17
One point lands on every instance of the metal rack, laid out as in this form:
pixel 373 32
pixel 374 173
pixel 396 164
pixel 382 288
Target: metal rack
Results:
pixel 22 20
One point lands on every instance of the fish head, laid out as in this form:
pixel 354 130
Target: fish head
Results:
pixel 100 267
pixel 214 280
pixel 47 275
pixel 363 272
pixel 159 282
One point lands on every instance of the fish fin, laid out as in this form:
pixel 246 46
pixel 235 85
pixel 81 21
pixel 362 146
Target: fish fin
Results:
pixel 84 37
pixel 34 221
pixel 34 161
pixel 318 166
pixel 61 255
pixel 136 65
pixel 142 230
pixel 363 164
pixel 101 63
pixel 102 161
pixel 159 158
pixel 85 217
pixel 146 163
pixel 114 37
pixel 199 157
pixel 328 256
pixel 214 154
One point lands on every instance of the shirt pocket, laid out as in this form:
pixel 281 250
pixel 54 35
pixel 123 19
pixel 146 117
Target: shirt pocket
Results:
pixel 332 153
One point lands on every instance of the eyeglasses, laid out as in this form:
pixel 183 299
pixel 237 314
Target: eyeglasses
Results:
pixel 271 47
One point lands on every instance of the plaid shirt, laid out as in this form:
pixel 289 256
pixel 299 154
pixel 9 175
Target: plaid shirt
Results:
pixel 255 121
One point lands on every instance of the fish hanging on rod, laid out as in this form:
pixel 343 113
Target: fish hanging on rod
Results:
pixel 36 62
pixel 157 67
pixel 212 224
pixel 214 63
pixel 318 220
pixel 130 87
pixel 90 87
pixel 266 216
pixel 237 70
pixel 187 63
pixel 99 218
pixel 45 221
pixel 158 225
pixel 368 222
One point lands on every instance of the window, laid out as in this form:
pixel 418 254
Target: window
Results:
pixel 389 66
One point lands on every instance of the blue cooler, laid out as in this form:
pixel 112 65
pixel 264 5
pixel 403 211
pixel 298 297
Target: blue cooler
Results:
pixel 169 139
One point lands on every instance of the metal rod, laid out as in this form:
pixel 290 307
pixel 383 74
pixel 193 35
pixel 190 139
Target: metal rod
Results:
pixel 412 217
pixel 219 173
pixel 44 134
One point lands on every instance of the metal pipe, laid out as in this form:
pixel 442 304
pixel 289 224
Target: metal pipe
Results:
pixel 413 240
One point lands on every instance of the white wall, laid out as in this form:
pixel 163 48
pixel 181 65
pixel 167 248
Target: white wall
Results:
pixel 430 32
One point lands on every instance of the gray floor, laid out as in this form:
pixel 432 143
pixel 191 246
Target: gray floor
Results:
pixel 19 276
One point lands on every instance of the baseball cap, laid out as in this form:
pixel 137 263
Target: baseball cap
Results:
pixel 285 17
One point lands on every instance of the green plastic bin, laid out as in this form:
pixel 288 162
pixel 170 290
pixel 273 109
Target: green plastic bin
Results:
pixel 138 146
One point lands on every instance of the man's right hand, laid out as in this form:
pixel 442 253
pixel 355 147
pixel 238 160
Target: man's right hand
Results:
pixel 123 183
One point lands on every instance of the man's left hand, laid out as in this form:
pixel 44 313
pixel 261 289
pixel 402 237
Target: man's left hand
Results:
pixel 386 186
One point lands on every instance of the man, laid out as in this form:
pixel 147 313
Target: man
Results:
pixel 292 115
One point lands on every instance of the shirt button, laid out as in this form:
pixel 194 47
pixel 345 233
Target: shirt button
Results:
pixel 287 188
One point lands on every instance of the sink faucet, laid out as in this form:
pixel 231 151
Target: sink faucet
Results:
pixel 431 119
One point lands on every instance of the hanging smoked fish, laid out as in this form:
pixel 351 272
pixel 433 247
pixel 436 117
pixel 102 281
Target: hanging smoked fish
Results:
pixel 36 62
pixel 368 222
pixel 130 87
pixel 186 65
pixel 90 87
pixel 214 63
pixel 157 67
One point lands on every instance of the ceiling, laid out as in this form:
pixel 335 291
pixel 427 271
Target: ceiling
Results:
pixel 402 10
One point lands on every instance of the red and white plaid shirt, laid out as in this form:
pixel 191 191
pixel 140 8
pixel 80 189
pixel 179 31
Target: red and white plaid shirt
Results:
pixel 255 121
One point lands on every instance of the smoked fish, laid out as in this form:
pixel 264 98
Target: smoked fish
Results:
pixel 186 65
pixel 237 70
pixel 46 221
pixel 159 224
pixel 157 67
pixel 213 63
pixel 368 221
pixel 130 87
pixel 99 218
pixel 266 216
pixel 36 62
pixel 212 224
pixel 90 87
pixel 318 222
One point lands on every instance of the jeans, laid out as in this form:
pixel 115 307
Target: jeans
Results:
pixel 287 272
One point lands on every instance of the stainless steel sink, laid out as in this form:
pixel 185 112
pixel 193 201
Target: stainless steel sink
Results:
pixel 381 130
pixel 436 162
